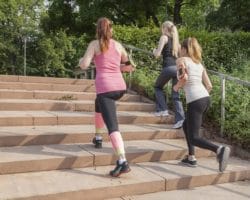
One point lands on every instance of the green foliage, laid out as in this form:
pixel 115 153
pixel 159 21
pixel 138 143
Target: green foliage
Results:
pixel 231 15
pixel 237 111
pixel 222 49
pixel 19 19
pixel 224 52
pixel 58 54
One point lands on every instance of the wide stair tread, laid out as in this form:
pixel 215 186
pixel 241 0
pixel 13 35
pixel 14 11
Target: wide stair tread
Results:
pixel 94 182
pixel 63 134
pixel 71 105
pixel 32 118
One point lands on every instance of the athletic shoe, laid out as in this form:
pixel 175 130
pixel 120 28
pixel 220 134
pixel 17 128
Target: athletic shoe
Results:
pixel 97 143
pixel 161 113
pixel 222 158
pixel 190 163
pixel 120 169
pixel 178 124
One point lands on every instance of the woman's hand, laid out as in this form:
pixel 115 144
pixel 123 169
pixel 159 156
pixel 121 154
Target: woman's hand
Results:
pixel 127 68
pixel 176 88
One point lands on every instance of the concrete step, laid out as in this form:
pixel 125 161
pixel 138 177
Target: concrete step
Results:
pixel 36 118
pixel 64 134
pixel 89 87
pixel 58 95
pixel 70 105
pixel 38 79
pixel 67 156
pixel 94 183
pixel 226 191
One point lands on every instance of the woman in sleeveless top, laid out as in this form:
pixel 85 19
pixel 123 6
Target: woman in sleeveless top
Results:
pixel 197 85
pixel 108 55
pixel 168 47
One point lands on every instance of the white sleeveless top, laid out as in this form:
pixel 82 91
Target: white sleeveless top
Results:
pixel 194 88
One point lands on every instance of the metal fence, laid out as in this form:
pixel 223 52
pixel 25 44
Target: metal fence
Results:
pixel 223 77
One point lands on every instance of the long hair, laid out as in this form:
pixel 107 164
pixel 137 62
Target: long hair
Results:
pixel 104 33
pixel 169 29
pixel 193 48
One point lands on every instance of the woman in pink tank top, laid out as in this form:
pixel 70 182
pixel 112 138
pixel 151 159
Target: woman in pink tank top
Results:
pixel 108 55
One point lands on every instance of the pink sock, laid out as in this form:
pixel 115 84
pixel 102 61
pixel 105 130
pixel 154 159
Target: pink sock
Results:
pixel 99 124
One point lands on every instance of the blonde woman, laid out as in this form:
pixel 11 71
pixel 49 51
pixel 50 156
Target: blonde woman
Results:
pixel 197 85
pixel 108 55
pixel 168 47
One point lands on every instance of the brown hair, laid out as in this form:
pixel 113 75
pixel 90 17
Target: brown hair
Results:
pixel 193 48
pixel 104 33
pixel 170 30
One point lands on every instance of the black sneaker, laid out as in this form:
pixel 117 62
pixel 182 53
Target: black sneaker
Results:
pixel 190 163
pixel 222 158
pixel 97 143
pixel 120 169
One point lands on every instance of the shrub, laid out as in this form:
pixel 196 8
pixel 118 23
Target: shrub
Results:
pixel 224 52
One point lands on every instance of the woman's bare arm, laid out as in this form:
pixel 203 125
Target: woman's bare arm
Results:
pixel 85 61
pixel 182 78
pixel 206 80
pixel 163 40
pixel 126 66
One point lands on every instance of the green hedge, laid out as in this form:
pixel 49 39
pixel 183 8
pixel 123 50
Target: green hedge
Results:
pixel 221 50
pixel 225 52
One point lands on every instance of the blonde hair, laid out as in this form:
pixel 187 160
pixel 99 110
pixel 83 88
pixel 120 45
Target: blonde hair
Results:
pixel 169 29
pixel 104 33
pixel 193 48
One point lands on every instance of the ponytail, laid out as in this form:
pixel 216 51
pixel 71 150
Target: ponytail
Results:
pixel 175 37
pixel 193 48
pixel 104 33
pixel 170 30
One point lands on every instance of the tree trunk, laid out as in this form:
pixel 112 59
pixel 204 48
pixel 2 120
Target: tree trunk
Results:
pixel 177 12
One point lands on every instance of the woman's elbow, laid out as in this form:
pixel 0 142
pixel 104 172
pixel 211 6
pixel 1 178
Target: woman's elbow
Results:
pixel 83 64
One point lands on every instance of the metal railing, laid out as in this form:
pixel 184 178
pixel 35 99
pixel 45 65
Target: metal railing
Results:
pixel 223 78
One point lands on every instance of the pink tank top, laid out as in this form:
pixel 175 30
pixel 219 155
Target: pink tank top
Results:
pixel 108 74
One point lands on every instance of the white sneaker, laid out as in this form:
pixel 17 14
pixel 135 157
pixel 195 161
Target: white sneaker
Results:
pixel 164 113
pixel 161 113
pixel 178 124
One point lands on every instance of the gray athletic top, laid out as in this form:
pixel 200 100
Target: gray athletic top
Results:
pixel 194 88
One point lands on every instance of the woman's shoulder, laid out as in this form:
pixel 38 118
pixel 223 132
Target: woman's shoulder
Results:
pixel 164 38
pixel 116 42
pixel 118 45
pixel 94 44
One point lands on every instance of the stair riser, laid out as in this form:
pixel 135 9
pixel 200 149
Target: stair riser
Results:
pixel 212 179
pixel 105 192
pixel 78 120
pixel 69 106
pixel 91 160
pixel 152 156
pixel 25 140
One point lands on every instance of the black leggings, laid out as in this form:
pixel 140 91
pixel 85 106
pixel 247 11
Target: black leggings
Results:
pixel 192 124
pixel 105 104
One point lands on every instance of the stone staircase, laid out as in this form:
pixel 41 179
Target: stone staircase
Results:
pixel 46 154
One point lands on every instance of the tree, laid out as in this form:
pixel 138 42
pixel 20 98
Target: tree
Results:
pixel 231 14
pixel 190 13
pixel 61 15
pixel 19 19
